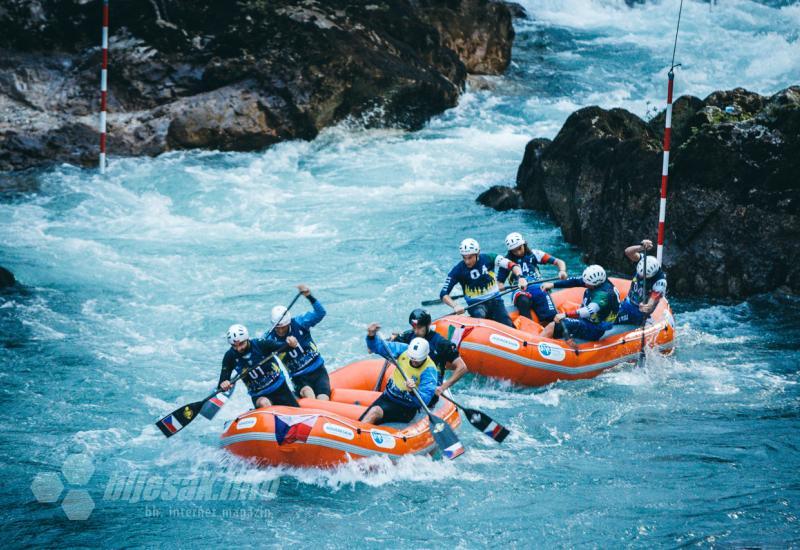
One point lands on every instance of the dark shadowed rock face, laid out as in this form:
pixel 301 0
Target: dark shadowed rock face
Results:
pixel 233 75
pixel 6 278
pixel 501 198
pixel 733 221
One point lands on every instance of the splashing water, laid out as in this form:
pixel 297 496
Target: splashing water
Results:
pixel 131 280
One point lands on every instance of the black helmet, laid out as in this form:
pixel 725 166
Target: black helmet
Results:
pixel 419 317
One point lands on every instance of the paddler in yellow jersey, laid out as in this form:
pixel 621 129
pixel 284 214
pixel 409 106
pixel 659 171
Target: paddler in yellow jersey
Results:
pixel 398 403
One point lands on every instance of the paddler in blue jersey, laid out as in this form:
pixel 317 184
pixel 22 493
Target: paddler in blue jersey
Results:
pixel 265 383
pixel 302 359
pixel 476 273
pixel 528 260
pixel 651 285
pixel 398 403
pixel 597 311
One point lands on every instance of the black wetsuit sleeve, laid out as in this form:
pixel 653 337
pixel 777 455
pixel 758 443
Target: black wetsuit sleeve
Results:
pixel 405 337
pixel 269 346
pixel 227 368
pixel 447 351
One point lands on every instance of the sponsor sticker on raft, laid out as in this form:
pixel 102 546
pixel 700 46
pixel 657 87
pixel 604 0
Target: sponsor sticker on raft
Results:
pixel 504 341
pixel 551 352
pixel 338 431
pixel 382 439
pixel 246 423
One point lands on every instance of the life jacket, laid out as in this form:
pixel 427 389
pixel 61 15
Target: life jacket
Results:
pixel 439 346
pixel 261 379
pixel 480 281
pixel 397 388
pixel 657 283
pixel 305 357
pixel 605 296
pixel 528 264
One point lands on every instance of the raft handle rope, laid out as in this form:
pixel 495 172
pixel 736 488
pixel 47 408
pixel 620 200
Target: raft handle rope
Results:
pixel 649 331
pixel 358 430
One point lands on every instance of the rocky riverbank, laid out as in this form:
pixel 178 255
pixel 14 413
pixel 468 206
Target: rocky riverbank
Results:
pixel 733 215
pixel 232 75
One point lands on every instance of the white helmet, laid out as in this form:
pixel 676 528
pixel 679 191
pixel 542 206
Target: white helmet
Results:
pixel 513 240
pixel 469 246
pixel 594 275
pixel 281 316
pixel 418 349
pixel 237 333
pixel 653 265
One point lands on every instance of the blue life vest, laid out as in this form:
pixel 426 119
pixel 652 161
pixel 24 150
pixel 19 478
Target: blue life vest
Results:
pixel 305 358
pixel 656 283
pixel 262 379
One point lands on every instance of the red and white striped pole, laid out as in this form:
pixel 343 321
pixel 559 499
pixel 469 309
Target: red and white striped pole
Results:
pixel 104 89
pixel 662 209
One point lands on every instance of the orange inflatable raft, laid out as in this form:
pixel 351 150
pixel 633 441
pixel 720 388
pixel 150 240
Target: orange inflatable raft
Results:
pixel 327 433
pixel 523 357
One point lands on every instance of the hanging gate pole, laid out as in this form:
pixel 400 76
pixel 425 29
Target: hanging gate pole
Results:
pixel 104 89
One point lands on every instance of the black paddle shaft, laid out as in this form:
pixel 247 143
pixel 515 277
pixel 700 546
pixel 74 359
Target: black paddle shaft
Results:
pixel 482 421
pixel 640 360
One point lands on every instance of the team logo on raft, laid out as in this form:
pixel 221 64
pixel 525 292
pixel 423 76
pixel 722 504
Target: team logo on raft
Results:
pixel 551 352
pixel 504 341
pixel 382 439
pixel 338 431
pixel 246 423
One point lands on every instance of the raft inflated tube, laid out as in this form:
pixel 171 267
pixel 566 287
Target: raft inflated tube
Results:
pixel 523 357
pixel 327 433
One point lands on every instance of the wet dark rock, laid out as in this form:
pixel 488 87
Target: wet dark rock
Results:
pixel 232 75
pixel 733 221
pixel 480 32
pixel 518 11
pixel 501 197
pixel 6 278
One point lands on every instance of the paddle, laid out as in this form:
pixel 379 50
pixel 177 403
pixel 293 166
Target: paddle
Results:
pixel 442 433
pixel 641 358
pixel 213 405
pixel 380 378
pixel 182 416
pixel 479 302
pixel 514 287
pixel 483 422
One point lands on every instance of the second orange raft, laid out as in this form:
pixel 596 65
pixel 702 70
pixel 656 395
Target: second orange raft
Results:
pixel 522 356
pixel 327 433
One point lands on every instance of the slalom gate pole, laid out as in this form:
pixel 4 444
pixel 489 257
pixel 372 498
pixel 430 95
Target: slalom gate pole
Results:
pixel 662 207
pixel 104 89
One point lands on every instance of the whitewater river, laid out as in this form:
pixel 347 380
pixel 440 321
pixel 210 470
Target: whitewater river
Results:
pixel 130 281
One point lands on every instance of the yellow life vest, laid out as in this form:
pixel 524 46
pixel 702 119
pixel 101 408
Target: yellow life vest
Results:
pixel 411 372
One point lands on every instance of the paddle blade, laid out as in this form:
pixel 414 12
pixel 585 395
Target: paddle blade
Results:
pixel 430 302
pixel 179 418
pixel 213 405
pixel 484 423
pixel 445 438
